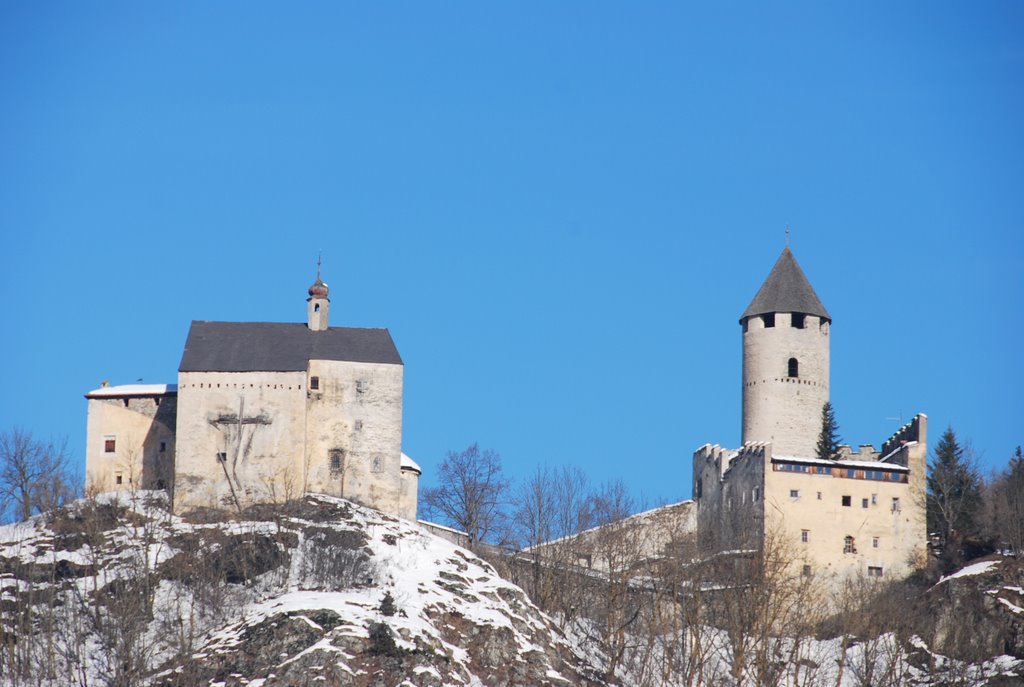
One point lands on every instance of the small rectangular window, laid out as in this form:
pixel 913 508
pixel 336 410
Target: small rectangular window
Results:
pixel 846 501
pixel 163 446
pixel 863 503
pixel 222 457
pixel 874 542
pixel 314 383
pixel 798 320
pixel 874 571
pixel 358 425
pixel 794 493
pixel 895 504
pixel 109 443
pixel 768 319
pixel 806 571
pixel 361 386
pixel 700 487
pixel 125 402
pixel 118 479
pixel 757 494
pixel 805 536
pixel 819 496
pixel 874 499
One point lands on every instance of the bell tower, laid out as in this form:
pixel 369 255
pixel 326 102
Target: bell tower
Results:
pixel 318 304
pixel 785 361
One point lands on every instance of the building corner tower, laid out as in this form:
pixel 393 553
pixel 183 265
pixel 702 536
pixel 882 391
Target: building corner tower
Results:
pixel 785 361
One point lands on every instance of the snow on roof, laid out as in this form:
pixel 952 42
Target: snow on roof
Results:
pixel 410 464
pixel 133 390
pixel 635 517
pixel 864 464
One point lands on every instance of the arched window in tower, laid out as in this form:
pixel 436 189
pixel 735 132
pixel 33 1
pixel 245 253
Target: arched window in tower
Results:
pixel 794 368
pixel 316 307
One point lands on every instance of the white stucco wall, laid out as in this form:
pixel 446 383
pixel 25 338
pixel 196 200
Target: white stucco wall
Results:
pixel 358 410
pixel 264 456
pixel 144 444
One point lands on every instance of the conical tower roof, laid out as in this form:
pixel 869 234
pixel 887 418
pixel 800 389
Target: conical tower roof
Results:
pixel 786 290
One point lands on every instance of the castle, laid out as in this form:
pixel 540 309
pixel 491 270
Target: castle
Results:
pixel 862 512
pixel 262 412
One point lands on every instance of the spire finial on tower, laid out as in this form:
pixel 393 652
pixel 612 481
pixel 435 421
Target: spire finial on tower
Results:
pixel 318 264
pixel 787 235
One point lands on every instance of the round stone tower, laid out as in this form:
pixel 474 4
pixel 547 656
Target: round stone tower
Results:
pixel 785 361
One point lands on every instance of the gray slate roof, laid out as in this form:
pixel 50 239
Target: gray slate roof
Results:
pixel 280 346
pixel 786 290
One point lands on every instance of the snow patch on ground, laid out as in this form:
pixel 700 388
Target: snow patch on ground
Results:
pixel 973 569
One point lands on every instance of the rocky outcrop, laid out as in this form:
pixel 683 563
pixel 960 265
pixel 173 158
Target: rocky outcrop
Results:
pixel 321 591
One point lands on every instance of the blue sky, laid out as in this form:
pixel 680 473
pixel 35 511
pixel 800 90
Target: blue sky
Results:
pixel 558 209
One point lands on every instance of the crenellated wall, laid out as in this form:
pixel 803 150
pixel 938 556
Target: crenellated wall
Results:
pixel 728 492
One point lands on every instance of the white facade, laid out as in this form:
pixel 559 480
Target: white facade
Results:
pixel 265 413
pixel 130 437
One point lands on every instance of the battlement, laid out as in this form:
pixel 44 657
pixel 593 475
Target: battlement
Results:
pixel 913 431
pixel 712 453
pixel 864 452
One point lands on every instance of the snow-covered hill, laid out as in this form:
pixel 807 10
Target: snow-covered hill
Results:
pixel 319 592
pixel 117 591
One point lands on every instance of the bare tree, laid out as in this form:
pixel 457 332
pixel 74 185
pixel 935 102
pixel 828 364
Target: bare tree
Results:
pixel 1004 506
pixel 550 509
pixel 472 493
pixel 34 475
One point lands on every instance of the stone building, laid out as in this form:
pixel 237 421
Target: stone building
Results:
pixel 130 434
pixel 263 412
pixel 862 513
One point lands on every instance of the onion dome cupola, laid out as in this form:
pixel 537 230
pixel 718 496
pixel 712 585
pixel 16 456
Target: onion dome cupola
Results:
pixel 318 304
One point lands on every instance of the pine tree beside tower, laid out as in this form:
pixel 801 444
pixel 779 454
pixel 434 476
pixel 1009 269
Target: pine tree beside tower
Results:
pixel 828 438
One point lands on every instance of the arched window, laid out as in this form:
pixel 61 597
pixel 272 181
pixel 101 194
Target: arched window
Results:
pixel 848 545
pixel 316 307
pixel 794 368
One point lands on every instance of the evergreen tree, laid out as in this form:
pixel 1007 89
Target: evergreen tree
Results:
pixel 954 490
pixel 828 438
